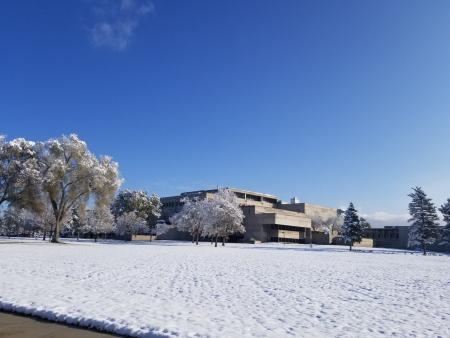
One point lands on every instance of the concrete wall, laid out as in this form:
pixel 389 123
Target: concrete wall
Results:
pixel 310 210
pixel 258 223
pixel 365 243
pixel 321 238
pixel 142 237
pixel 390 237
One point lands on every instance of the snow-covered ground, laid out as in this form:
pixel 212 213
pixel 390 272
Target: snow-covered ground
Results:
pixel 268 290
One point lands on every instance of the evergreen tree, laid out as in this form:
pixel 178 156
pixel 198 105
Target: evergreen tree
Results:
pixel 77 223
pixel 445 232
pixel 424 227
pixel 351 229
pixel 364 224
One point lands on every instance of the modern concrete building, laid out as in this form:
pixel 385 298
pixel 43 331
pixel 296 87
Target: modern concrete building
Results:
pixel 267 219
pixel 396 237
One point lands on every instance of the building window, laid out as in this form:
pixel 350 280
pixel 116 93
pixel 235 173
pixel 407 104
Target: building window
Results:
pixel 240 195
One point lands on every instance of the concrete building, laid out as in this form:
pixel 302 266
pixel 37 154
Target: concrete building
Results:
pixel 396 237
pixel 267 219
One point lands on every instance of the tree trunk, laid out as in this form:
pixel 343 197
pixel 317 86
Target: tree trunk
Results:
pixel 196 238
pixel 95 237
pixel 55 238
pixel 424 248
pixel 216 241
pixel 78 235
pixel 351 244
pixel 223 241
pixel 45 235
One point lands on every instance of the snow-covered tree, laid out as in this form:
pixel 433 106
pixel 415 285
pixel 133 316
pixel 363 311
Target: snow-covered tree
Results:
pixel 330 224
pixel 216 217
pixel 226 216
pixel 78 222
pixel 45 220
pixel 445 231
pixel 99 220
pixel 129 224
pixel 71 175
pixel 147 207
pixel 351 228
pixel 162 228
pixel 192 218
pixel 19 174
pixel 30 223
pixel 11 222
pixel 424 227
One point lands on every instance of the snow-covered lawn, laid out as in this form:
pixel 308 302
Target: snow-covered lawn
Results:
pixel 268 290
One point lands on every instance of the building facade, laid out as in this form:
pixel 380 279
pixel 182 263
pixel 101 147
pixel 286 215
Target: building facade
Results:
pixel 396 237
pixel 267 219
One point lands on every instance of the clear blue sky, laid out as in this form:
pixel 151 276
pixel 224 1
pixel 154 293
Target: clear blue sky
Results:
pixel 330 101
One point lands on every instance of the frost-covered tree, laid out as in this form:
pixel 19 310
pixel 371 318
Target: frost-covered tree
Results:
pixel 78 222
pixel 192 218
pixel 19 174
pixel 445 231
pixel 351 228
pixel 424 226
pixel 72 175
pixel 46 220
pixel 147 207
pixel 30 223
pixel 162 228
pixel 227 215
pixel 128 224
pixel 11 222
pixel 99 220
pixel 217 217
pixel 330 224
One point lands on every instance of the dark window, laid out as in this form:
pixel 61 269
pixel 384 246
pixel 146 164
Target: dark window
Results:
pixel 254 198
pixel 240 195
pixel 286 227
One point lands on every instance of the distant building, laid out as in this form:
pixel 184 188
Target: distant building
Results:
pixel 396 237
pixel 267 219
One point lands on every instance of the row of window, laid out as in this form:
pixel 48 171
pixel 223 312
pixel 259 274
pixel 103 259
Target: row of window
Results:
pixel 173 204
pixel 286 227
pixel 383 234
pixel 286 240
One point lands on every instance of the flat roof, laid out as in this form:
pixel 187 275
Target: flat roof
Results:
pixel 214 190
pixel 253 193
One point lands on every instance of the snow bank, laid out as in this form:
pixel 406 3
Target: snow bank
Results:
pixel 175 289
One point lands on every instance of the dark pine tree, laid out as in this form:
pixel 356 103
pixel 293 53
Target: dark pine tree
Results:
pixel 351 229
pixel 364 224
pixel 445 232
pixel 424 226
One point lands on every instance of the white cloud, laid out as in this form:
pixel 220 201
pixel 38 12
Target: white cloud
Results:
pixel 115 21
pixel 381 218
